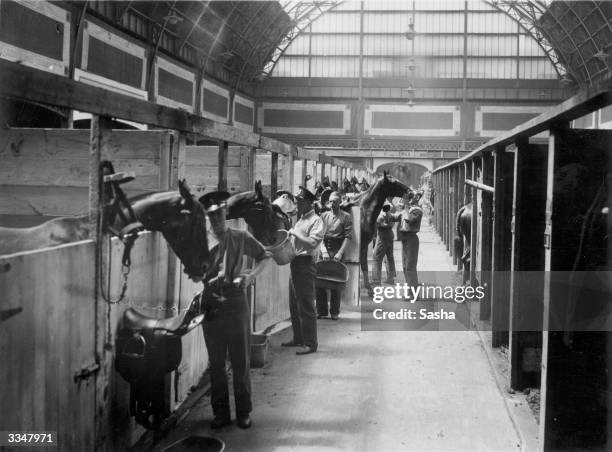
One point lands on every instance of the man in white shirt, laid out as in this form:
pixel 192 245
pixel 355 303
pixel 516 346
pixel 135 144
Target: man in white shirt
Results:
pixel 307 235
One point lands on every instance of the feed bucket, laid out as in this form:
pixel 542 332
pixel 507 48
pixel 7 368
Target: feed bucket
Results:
pixel 259 350
pixel 283 251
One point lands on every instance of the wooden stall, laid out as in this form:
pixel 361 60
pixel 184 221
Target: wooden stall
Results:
pixel 540 223
pixel 45 172
pixel 54 172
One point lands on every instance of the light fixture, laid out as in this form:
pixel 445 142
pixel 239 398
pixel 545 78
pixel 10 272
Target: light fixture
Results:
pixel 410 33
pixel 411 64
pixel 411 90
pixel 601 55
pixel 566 80
pixel 173 18
pixel 410 103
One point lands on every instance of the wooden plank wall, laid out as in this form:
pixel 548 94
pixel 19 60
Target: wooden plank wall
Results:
pixel 51 338
pixel 271 296
pixel 45 172
pixel 146 292
pixel 263 169
pixel 200 168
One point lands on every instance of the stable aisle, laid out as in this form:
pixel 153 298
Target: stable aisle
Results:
pixel 371 390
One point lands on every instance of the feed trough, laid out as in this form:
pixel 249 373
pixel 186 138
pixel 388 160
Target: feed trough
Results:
pixel 331 274
pixel 283 251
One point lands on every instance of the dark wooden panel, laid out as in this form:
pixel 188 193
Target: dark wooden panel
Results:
pixel 108 61
pixel 174 87
pixel 504 121
pixel 215 103
pixel 17 22
pixel 408 120
pixel 305 119
pixel 243 114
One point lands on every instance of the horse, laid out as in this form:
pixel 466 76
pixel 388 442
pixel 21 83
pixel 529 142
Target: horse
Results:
pixel 348 186
pixel 370 204
pixel 262 216
pixel 463 239
pixel 177 215
pixel 320 205
pixel 51 233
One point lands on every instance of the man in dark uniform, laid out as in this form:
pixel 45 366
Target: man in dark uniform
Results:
pixel 384 246
pixel 338 232
pixel 307 235
pixel 227 325
pixel 409 226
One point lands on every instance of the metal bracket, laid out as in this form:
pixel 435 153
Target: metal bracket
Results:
pixel 547 235
pixel 86 372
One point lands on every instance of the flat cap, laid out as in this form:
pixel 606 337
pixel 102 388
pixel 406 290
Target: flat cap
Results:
pixel 214 200
pixel 306 194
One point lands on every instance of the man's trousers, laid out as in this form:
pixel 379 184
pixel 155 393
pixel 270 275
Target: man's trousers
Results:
pixel 410 257
pixel 229 329
pixel 301 301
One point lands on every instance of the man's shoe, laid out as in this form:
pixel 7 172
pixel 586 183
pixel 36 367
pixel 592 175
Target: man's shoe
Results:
pixel 321 316
pixel 291 344
pixel 243 421
pixel 306 350
pixel 334 317
pixel 390 281
pixel 220 422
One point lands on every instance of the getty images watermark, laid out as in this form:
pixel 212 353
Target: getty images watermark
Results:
pixel 422 293
pixel 541 301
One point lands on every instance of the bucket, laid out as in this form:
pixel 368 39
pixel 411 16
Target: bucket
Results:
pixel 331 274
pixel 196 443
pixel 283 252
pixel 259 350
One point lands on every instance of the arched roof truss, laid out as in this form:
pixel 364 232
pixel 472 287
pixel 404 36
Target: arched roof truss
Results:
pixel 527 14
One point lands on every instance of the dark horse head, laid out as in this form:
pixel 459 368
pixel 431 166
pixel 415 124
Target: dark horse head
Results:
pixel 263 217
pixel 181 220
pixel 374 198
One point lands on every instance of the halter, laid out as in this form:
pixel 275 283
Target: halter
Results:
pixel 116 201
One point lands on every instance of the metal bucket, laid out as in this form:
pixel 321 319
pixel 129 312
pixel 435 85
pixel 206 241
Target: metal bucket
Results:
pixel 196 443
pixel 283 252
pixel 331 274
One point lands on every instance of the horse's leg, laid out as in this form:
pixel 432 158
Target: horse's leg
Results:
pixel 363 259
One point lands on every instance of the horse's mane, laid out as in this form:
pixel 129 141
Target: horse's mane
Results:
pixel 372 201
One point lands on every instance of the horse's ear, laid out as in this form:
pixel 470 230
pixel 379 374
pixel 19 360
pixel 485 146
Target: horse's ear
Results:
pixel 185 192
pixel 258 189
pixel 385 174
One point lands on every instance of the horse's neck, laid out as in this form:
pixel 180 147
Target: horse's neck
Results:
pixel 371 205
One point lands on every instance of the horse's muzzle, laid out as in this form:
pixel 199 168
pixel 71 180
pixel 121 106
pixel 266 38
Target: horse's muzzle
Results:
pixel 195 275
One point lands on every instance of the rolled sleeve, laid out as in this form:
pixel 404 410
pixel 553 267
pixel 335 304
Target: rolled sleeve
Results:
pixel 252 247
pixel 317 231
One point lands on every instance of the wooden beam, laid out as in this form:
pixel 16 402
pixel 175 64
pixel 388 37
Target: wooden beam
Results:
pixel 273 176
pixel 99 147
pixel 223 151
pixel 26 83
pixel 500 257
pixel 304 172
pixel 306 154
pixel 290 169
pixel 479 186
pixel 274 146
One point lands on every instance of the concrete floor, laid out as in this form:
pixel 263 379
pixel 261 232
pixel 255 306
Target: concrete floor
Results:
pixel 371 390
